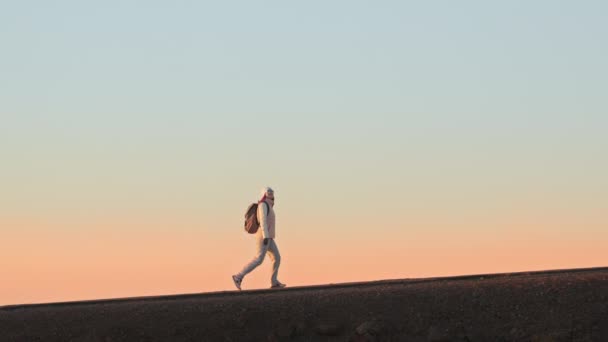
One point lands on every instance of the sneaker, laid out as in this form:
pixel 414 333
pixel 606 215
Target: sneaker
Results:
pixel 278 285
pixel 237 281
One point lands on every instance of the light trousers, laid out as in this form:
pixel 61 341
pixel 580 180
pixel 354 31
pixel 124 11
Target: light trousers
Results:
pixel 272 250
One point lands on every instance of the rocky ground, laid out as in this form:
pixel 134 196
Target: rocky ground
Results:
pixel 566 305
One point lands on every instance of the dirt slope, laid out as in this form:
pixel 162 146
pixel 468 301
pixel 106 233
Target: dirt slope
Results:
pixel 561 305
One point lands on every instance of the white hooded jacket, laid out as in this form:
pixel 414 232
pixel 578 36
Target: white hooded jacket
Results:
pixel 267 220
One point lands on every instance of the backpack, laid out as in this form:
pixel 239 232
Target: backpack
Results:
pixel 251 218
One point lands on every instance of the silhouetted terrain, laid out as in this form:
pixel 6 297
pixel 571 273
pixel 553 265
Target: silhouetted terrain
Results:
pixel 562 305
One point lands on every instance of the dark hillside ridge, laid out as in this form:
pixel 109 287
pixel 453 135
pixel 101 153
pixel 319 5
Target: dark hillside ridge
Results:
pixel 555 305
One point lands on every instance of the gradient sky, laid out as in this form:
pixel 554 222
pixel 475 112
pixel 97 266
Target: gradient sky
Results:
pixel 403 139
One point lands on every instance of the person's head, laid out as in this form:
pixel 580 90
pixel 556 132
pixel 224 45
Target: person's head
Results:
pixel 268 195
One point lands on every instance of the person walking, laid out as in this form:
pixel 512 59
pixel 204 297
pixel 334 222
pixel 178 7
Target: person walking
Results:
pixel 265 241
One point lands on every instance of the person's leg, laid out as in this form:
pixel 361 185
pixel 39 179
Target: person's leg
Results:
pixel 273 252
pixel 256 261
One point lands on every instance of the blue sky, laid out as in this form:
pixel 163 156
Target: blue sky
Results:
pixel 339 84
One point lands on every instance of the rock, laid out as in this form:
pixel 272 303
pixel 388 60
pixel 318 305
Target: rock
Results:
pixel 285 331
pixel 373 327
pixel 273 338
pixel 294 328
pixel 602 326
pixel 548 338
pixel 299 328
pixel 408 338
pixel 328 329
pixel 600 331
pixel 241 321
pixel 362 338
pixel 92 337
pixel 517 333
pixel 439 334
